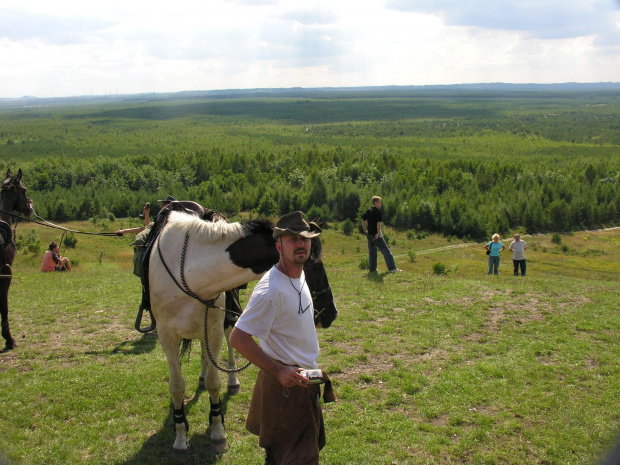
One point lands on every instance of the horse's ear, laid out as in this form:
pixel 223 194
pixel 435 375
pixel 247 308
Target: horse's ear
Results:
pixel 8 173
pixel 19 175
pixel 316 221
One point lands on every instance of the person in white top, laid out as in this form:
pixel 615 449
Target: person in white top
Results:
pixel 285 411
pixel 518 254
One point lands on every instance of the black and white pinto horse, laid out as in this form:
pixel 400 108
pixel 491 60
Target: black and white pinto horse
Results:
pixel 12 198
pixel 192 263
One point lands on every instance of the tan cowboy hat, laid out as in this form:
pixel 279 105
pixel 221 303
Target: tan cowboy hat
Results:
pixel 295 223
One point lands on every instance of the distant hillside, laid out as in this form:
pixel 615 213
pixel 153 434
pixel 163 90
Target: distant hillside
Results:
pixel 481 90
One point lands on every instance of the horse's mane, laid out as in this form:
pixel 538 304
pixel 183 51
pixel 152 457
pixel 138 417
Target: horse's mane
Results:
pixel 209 231
pixel 316 252
pixel 259 224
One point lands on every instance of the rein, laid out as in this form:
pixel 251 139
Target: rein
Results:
pixel 43 222
pixel 207 303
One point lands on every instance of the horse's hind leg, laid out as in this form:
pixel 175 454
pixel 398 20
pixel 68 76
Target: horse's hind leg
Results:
pixel 5 283
pixel 176 387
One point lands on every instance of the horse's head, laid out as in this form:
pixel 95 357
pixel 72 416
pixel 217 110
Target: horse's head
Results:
pixel 14 196
pixel 322 298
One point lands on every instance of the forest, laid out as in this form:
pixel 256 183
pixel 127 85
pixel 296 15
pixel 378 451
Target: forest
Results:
pixel 463 165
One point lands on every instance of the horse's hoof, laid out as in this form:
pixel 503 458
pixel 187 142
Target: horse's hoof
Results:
pixel 10 345
pixel 219 445
pixel 234 388
pixel 181 451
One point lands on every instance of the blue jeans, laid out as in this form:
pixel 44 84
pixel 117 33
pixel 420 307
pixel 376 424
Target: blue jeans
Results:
pixel 517 264
pixel 493 264
pixel 373 245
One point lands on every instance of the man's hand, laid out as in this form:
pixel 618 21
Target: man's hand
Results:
pixel 290 377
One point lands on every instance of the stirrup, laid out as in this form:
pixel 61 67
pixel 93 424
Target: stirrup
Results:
pixel 139 322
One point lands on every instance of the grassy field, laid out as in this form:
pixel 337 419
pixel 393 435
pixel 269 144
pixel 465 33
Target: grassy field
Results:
pixel 427 368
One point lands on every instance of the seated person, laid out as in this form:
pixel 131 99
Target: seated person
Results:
pixel 52 261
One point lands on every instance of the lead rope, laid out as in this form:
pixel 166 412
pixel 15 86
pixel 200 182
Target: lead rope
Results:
pixel 215 364
pixel 55 226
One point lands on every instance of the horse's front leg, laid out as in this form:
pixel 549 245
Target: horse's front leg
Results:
pixel 176 387
pixel 213 383
pixel 5 282
pixel 233 382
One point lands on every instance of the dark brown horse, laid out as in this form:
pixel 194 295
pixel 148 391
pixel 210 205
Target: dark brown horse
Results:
pixel 13 198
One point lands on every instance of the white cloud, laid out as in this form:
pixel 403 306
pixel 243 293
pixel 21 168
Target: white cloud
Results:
pixel 68 48
pixel 18 26
pixel 542 19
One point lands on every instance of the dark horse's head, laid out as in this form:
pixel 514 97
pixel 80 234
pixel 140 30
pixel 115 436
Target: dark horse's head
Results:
pixel 322 298
pixel 258 252
pixel 13 196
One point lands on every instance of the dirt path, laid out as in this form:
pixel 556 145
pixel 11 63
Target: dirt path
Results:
pixel 481 244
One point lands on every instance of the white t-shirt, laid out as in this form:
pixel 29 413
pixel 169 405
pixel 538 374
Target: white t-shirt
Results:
pixel 273 315
pixel 518 250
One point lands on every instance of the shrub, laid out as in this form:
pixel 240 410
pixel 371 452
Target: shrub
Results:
pixel 412 256
pixel 364 263
pixel 314 212
pixel 556 239
pixel 70 241
pixel 348 227
pixel 439 268
pixel 31 243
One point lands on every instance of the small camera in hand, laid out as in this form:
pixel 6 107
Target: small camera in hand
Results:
pixel 313 376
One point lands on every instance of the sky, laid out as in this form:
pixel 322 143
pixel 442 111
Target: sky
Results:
pixel 76 47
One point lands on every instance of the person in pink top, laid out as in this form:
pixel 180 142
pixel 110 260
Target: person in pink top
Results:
pixel 52 261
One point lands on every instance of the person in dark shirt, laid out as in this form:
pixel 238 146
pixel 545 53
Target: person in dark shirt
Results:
pixel 372 221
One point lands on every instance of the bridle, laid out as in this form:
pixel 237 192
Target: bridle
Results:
pixel 14 185
pixel 314 295
pixel 321 292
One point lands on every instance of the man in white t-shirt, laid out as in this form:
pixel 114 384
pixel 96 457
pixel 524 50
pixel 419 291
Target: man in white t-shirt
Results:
pixel 285 411
pixel 518 254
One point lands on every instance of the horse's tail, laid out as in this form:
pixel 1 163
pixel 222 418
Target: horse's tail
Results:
pixel 186 347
